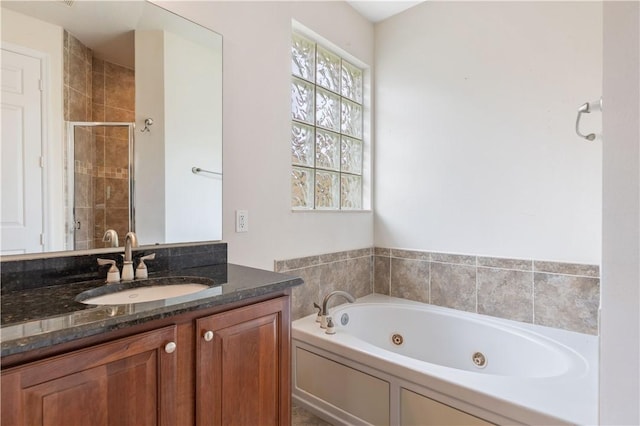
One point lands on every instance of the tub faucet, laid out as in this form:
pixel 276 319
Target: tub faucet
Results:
pixel 130 241
pixel 111 237
pixel 325 312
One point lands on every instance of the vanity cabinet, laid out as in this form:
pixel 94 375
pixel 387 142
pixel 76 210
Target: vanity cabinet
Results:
pixel 242 366
pixel 130 381
pixel 226 365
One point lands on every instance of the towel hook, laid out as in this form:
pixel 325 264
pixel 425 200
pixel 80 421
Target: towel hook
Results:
pixel 147 122
pixel 586 108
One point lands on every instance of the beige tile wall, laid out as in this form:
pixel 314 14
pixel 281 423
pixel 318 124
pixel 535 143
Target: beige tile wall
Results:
pixel 96 90
pixel 347 270
pixel 560 295
pixel 77 107
pixel 113 100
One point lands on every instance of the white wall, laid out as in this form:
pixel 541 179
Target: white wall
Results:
pixel 256 125
pixel 620 302
pixel 193 138
pixel 475 145
pixel 171 72
pixel 46 38
pixel 150 173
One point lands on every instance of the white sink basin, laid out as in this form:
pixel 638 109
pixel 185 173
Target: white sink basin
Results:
pixel 145 294
pixel 144 290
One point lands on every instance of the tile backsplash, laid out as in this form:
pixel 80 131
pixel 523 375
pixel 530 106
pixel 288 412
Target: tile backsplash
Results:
pixel 68 267
pixel 554 294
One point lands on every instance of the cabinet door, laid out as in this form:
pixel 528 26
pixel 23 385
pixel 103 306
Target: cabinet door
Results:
pixel 242 366
pixel 129 381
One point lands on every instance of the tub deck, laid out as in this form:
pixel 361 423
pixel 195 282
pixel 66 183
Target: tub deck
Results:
pixel 498 399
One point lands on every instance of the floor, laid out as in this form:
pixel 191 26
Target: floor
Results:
pixel 301 417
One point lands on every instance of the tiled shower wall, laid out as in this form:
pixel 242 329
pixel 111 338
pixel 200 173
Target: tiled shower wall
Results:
pixel 77 107
pixel 113 101
pixel 560 295
pixel 97 90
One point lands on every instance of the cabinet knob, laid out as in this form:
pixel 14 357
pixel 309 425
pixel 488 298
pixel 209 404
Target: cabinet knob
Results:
pixel 208 336
pixel 170 347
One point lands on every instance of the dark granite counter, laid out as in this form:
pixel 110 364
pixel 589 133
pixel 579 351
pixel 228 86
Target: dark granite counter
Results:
pixel 35 318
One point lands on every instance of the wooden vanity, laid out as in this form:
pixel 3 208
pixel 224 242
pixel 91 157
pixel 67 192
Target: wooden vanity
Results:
pixel 213 364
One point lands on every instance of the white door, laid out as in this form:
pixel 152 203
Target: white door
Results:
pixel 21 194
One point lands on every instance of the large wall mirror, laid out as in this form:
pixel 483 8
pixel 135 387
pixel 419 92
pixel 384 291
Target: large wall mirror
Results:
pixel 111 122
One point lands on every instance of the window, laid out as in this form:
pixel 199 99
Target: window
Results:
pixel 326 129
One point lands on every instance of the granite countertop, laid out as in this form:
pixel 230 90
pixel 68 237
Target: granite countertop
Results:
pixel 46 316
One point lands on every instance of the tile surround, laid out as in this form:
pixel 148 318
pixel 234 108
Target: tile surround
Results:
pixel 505 293
pixel 554 294
pixel 571 301
pixel 412 279
pixel 350 270
pixel 453 286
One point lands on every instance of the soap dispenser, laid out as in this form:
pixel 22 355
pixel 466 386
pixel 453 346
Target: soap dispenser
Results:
pixel 113 276
pixel 141 270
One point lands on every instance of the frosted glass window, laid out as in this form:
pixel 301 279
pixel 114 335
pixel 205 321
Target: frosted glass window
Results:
pixel 351 191
pixel 351 155
pixel 327 150
pixel 327 110
pixel 302 140
pixel 327 190
pixel 326 128
pixel 302 188
pixel 302 101
pixel 351 119
pixel 351 82
pixel 303 58
pixel 328 70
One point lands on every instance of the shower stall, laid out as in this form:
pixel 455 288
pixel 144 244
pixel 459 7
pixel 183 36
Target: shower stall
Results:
pixel 100 182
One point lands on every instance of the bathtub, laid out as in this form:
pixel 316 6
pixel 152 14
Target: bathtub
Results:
pixel 394 361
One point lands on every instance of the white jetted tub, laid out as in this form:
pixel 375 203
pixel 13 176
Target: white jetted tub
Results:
pixel 399 362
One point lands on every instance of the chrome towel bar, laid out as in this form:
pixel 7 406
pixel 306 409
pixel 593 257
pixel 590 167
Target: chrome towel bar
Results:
pixel 196 170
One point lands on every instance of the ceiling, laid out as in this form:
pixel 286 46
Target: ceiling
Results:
pixel 376 11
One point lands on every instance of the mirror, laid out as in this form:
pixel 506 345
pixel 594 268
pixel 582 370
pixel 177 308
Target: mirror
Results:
pixel 122 129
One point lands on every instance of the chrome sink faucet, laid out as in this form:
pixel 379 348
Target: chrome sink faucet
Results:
pixel 130 241
pixel 325 311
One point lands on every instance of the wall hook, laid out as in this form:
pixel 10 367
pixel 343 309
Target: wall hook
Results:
pixel 586 108
pixel 147 122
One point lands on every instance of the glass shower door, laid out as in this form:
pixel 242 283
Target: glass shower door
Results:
pixel 100 182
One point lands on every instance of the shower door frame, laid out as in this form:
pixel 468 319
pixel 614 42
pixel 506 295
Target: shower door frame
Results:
pixel 70 174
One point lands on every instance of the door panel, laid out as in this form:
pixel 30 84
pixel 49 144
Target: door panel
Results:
pixel 22 189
